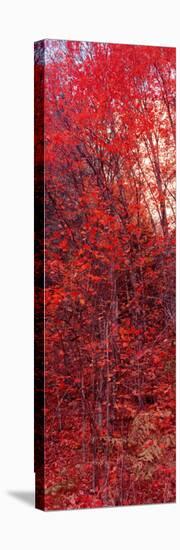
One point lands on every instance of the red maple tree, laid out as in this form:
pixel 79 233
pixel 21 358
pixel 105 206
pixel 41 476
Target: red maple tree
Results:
pixel 108 144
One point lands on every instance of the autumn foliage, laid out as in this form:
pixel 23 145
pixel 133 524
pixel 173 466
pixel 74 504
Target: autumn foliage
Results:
pixel 108 142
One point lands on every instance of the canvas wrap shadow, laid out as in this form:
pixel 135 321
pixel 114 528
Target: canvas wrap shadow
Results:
pixel 105 168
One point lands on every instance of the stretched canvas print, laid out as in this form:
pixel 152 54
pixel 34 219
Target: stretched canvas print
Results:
pixel 104 274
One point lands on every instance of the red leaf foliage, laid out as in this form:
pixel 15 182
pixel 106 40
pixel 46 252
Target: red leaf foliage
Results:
pixel 109 154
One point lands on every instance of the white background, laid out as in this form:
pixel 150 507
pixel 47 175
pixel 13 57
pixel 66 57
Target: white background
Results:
pixel 136 22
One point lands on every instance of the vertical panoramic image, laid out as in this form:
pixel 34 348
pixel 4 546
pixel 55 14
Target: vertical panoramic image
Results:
pixel 105 169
